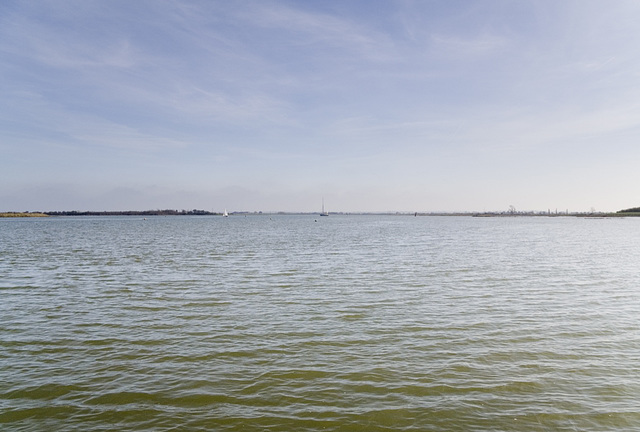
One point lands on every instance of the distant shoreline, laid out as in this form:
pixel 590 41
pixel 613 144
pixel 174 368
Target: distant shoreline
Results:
pixel 22 215
pixel 72 213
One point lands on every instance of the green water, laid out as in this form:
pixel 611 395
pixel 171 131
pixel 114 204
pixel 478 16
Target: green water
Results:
pixel 346 323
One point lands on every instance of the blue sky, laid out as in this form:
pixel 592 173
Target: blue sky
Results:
pixel 272 105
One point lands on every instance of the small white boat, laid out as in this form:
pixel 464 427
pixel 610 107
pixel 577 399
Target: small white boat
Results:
pixel 323 213
pixel 225 214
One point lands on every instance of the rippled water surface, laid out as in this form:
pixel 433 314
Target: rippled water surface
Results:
pixel 286 323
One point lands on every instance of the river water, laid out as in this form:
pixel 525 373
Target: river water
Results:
pixel 345 323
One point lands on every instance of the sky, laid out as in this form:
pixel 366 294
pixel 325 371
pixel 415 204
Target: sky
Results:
pixel 275 105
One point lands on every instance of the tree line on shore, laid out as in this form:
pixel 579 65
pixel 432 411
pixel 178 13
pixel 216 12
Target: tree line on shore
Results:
pixel 165 212
pixel 630 210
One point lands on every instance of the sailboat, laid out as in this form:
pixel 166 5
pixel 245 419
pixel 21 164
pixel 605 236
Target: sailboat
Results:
pixel 324 213
pixel 225 214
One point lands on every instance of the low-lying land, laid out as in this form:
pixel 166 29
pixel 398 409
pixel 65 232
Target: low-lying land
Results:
pixel 618 214
pixel 631 212
pixel 25 214
pixel 166 212
pixel 109 213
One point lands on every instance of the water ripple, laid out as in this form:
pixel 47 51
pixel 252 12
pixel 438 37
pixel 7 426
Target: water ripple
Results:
pixel 353 323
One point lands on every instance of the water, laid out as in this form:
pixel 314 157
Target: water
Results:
pixel 347 323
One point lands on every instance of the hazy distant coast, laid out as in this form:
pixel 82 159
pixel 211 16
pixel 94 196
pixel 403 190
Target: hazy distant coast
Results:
pixel 111 213
pixel 631 212
pixel 166 212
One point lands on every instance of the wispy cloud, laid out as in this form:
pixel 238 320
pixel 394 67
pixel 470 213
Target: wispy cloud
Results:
pixel 71 129
pixel 320 29
pixel 60 46
pixel 454 46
